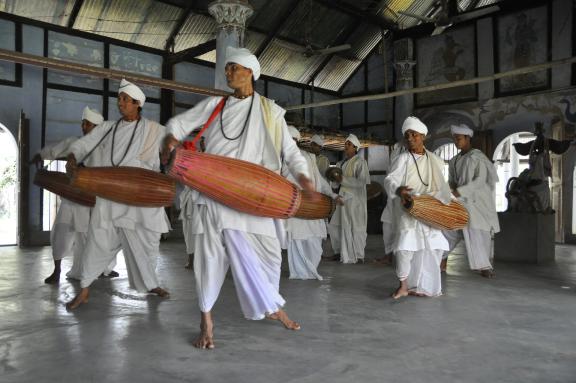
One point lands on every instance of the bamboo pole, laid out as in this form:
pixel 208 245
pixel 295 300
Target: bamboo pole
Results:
pixel 50 63
pixel 429 88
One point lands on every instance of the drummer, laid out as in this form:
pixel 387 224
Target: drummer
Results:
pixel 347 226
pixel 472 177
pixel 418 248
pixel 69 231
pixel 131 141
pixel 252 128
pixel 316 145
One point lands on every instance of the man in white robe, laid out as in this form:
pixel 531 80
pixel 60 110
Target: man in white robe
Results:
pixel 418 248
pixel 251 128
pixel 348 223
pixel 472 178
pixel 304 236
pixel 131 141
pixel 316 145
pixel 70 228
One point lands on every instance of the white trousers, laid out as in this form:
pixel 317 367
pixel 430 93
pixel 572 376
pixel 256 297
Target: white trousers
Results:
pixel 304 255
pixel 478 245
pixel 67 242
pixel 255 261
pixel 189 237
pixel 140 248
pixel 421 270
pixel 349 243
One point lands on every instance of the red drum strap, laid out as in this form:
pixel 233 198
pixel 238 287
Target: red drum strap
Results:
pixel 191 145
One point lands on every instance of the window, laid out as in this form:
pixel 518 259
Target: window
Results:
pixel 8 41
pixel 446 152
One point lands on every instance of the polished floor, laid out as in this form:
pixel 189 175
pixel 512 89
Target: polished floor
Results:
pixel 518 327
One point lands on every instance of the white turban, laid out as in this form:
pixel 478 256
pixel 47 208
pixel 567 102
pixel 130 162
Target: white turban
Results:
pixel 92 116
pixel 354 140
pixel 461 129
pixel 245 58
pixel 413 123
pixel 294 132
pixel 318 140
pixel 132 91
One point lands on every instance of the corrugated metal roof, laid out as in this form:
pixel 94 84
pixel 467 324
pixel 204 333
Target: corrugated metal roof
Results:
pixel 197 29
pixel 335 73
pixel 144 22
pixel 252 40
pixel 49 11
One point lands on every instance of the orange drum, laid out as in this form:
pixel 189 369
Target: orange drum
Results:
pixel 246 187
pixel 59 183
pixel 127 185
pixel 432 212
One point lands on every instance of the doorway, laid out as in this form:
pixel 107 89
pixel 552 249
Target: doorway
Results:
pixel 8 188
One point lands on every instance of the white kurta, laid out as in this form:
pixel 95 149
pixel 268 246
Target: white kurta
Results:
pixel 417 246
pixel 473 175
pixel 388 229
pixel 186 216
pixel 305 235
pixel 115 226
pixel 348 224
pixel 226 237
pixel 323 163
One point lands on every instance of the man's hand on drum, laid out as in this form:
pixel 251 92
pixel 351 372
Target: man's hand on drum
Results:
pixel 339 200
pixel 455 192
pixel 305 183
pixel 37 160
pixel 404 193
pixel 170 142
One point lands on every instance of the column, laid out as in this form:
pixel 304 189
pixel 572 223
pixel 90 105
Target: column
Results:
pixel 404 65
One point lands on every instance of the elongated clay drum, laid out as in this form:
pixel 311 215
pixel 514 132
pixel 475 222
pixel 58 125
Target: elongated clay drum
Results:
pixel 127 185
pixel 431 211
pixel 247 187
pixel 59 183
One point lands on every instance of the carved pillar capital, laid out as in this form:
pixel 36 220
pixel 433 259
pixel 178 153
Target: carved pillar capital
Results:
pixel 404 69
pixel 231 14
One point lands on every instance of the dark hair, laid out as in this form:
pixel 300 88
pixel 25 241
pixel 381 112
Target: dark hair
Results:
pixel 139 109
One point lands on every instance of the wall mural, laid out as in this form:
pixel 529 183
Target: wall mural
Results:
pixel 523 41
pixel 445 58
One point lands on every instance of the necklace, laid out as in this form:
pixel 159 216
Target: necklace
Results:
pixel 245 122
pixel 129 143
pixel 243 97
pixel 417 169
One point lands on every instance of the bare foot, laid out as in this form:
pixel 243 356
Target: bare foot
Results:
pixel 415 294
pixel 112 274
pixel 487 273
pixel 160 292
pixel 54 278
pixel 443 265
pixel 205 339
pixel 190 264
pixel 79 299
pixel 281 316
pixel 400 293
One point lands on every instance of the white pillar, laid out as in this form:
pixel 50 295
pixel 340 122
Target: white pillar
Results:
pixel 404 65
pixel 231 16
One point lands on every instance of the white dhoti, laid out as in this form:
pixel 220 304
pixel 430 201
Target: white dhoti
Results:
pixel 189 236
pixel 478 245
pixel 140 248
pixel 304 255
pixel 255 261
pixel 349 243
pixel 421 270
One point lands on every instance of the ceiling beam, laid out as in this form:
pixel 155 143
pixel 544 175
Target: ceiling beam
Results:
pixel 193 52
pixel 74 14
pixel 359 14
pixel 171 40
pixel 278 27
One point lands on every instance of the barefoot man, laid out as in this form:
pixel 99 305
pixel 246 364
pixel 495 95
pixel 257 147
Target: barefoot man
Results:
pixel 130 141
pixel 69 232
pixel 251 128
pixel 472 177
pixel 417 247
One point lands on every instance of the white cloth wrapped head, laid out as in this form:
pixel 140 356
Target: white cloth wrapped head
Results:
pixel 294 132
pixel 461 129
pixel 318 140
pixel 133 91
pixel 245 58
pixel 354 141
pixel 414 123
pixel 92 116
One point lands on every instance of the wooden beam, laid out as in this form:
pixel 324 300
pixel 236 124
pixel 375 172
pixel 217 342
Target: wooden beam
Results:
pixel 66 66
pixel 429 88
pixel 74 14
pixel 193 52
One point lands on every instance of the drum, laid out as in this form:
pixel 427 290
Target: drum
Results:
pixel 127 185
pixel 59 183
pixel 432 212
pixel 246 187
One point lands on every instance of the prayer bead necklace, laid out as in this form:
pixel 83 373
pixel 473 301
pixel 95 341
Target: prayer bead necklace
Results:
pixel 129 143
pixel 245 122
pixel 417 169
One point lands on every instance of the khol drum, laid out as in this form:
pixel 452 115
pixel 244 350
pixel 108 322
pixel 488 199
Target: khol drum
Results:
pixel 431 211
pixel 59 184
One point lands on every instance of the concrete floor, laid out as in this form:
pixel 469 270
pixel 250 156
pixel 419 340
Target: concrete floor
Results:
pixel 519 327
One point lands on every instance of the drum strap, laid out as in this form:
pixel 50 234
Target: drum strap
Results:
pixel 191 145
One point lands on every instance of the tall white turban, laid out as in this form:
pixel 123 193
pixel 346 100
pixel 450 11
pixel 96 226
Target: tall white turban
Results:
pixel 92 115
pixel 294 132
pixel 461 129
pixel 132 91
pixel 414 123
pixel 245 58
pixel 318 140
pixel 354 140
